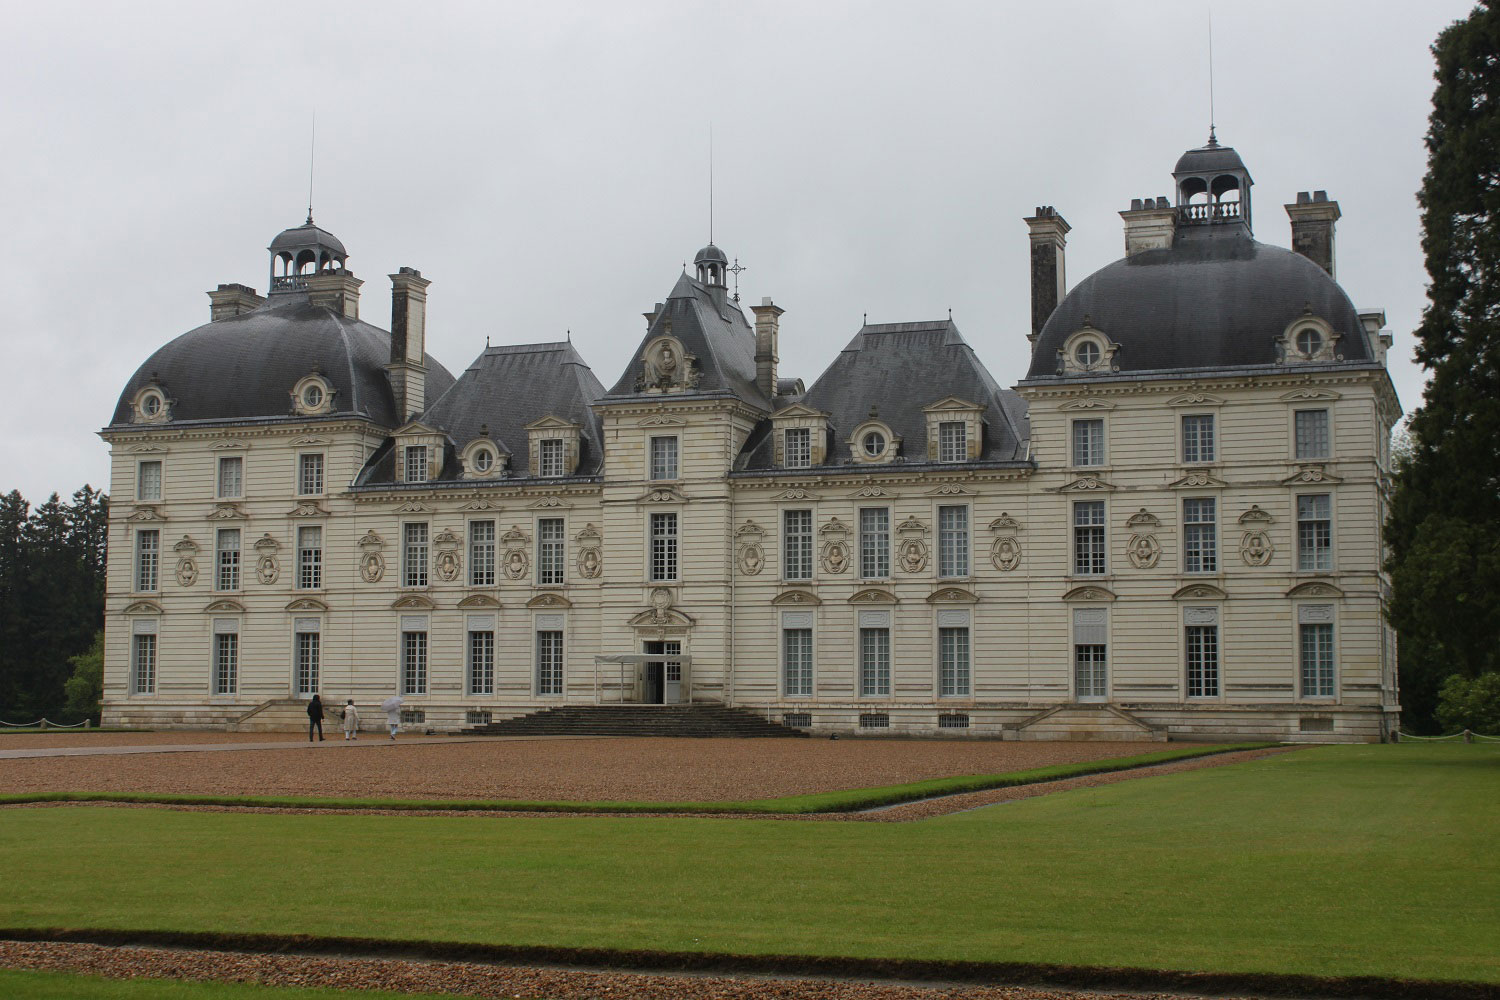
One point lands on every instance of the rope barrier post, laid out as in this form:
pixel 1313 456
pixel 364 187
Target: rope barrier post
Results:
pixel 1468 736
pixel 43 724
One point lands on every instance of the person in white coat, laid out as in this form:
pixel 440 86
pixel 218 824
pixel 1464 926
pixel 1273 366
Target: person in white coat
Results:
pixel 392 708
pixel 351 720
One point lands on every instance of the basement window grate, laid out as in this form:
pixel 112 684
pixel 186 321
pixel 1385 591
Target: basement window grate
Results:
pixel 1316 725
pixel 954 720
pixel 478 717
pixel 413 716
pixel 797 720
pixel 874 720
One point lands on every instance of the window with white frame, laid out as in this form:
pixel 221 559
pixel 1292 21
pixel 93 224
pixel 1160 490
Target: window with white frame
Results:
pixel 797 447
pixel 1090 654
pixel 664 458
pixel 550 547
pixel 143 657
pixel 414 554
pixel 481 553
pixel 227 559
pixel 148 480
pixel 1315 643
pixel 1201 645
pixel 1198 437
pixel 549 655
pixel 1314 532
pixel 147 560
pixel 550 452
pixel 309 557
pixel 1088 538
pixel 308 644
pixel 953 657
pixel 953 541
pixel 481 655
pixel 414 659
pixel 874 654
pixel 231 482
pixel 1200 535
pixel 1088 442
pixel 874 543
pixel 797 654
pixel 1311 432
pixel 797 544
pixel 664 546
pixel 310 474
pixel 953 441
pixel 414 463
pixel 226 665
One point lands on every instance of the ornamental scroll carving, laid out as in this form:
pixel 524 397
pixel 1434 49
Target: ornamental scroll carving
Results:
pixel 267 566
pixel 912 553
pixel 1005 551
pixel 590 553
pixel 447 562
pixel 1256 547
pixel 1143 549
pixel 752 555
pixel 187 561
pixel 371 557
pixel 835 554
pixel 517 559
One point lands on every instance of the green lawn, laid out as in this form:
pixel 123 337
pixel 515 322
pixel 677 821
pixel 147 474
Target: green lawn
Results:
pixel 1375 860
pixel 62 986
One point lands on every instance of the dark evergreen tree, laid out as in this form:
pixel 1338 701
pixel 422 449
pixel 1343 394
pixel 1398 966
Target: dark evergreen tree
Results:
pixel 13 512
pixel 1444 524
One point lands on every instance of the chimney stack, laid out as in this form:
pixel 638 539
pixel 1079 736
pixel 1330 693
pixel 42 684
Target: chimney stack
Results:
pixel 767 336
pixel 1313 217
pixel 1049 237
pixel 1149 225
pixel 336 290
pixel 231 300
pixel 407 370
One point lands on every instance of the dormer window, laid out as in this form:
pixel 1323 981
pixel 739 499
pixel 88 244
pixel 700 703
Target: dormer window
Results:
pixel 799 437
pixel 873 443
pixel 151 406
pixel 555 445
pixel 953 445
pixel 414 463
pixel 1309 341
pixel 955 430
pixel 797 447
pixel 482 457
pixel 312 395
pixel 1087 351
pixel 1308 338
pixel 550 454
pixel 1086 354
pixel 484 460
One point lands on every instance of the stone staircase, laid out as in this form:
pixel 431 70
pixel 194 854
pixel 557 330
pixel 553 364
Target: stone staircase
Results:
pixel 281 715
pixel 1089 722
pixel 638 720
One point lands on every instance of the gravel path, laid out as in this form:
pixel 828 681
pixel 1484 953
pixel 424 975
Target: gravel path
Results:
pixel 623 769
pixel 171 737
pixel 465 979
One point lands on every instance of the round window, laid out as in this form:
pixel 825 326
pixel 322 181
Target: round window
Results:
pixel 151 404
pixel 483 459
pixel 1086 354
pixel 1309 341
pixel 874 444
pixel 312 397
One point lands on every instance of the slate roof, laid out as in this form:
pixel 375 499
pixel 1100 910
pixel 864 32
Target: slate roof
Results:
pixel 306 235
pixel 1211 300
pixel 1209 159
pixel 899 368
pixel 711 327
pixel 244 367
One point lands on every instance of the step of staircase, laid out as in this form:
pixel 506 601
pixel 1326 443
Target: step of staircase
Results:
pixel 1089 723
pixel 697 721
pixel 281 715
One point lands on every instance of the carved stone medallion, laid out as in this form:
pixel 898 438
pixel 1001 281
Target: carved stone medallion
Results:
pixel 1256 548
pixel 1005 553
pixel 1143 551
pixel 836 556
pixel 372 566
pixel 913 556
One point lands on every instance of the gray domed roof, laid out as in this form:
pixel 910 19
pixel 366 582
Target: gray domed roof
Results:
pixel 309 234
pixel 1208 159
pixel 710 253
pixel 244 367
pixel 1202 303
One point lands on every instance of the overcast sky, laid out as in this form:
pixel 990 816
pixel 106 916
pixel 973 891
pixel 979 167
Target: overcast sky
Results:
pixel 546 165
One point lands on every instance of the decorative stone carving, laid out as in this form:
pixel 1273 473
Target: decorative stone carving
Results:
pixel 447 562
pixel 590 552
pixel 307 508
pixel 371 560
pixel 665 367
pixel 226 512
pixel 517 559
pixel 835 555
pixel 1086 484
pixel 1196 479
pixel 474 601
pixel 752 555
pixel 800 597
pixel 796 494
pixel 950 490
pixel 1256 548
pixel 1094 593
pixel 872 595
pixel 187 562
pixel 952 595
pixel 1200 592
pixel 1005 552
pixel 1310 474
pixel 267 566
pixel 145 512
pixel 911 551
pixel 1143 551
pixel 549 601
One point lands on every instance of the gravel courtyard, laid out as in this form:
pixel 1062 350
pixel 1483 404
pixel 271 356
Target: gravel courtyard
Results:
pixel 659 770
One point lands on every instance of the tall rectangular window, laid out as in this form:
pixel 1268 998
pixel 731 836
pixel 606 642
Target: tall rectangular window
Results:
pixel 797 661
pixel 953 441
pixel 550 548
pixel 481 553
pixel 797 447
pixel 797 544
pixel 550 457
pixel 953 541
pixel 1088 538
pixel 874 662
pixel 953 662
pixel 1200 536
pixel 310 475
pixel 1090 654
pixel 309 650
pixel 663 458
pixel 148 481
pixel 549 661
pixel 226 658
pixel 1198 437
pixel 147 560
pixel 143 663
pixel 414 462
pixel 1088 442
pixel 1312 433
pixel 414 554
pixel 1202 646
pixel 227 559
pixel 874 542
pixel 1314 531
pixel 664 546
pixel 481 660
pixel 309 557
pixel 231 477
pixel 414 662
pixel 1317 657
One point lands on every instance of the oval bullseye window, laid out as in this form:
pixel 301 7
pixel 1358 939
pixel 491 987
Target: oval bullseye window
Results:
pixel 874 444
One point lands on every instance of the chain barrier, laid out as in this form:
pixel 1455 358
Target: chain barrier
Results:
pixel 1466 735
pixel 45 724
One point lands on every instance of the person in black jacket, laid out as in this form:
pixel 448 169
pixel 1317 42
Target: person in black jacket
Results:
pixel 314 718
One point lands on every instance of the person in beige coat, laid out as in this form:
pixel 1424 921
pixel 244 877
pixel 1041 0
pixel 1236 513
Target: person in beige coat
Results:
pixel 351 720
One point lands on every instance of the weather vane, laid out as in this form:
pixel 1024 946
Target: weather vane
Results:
pixel 735 270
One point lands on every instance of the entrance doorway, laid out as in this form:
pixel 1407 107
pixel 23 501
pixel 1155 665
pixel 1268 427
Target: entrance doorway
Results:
pixel 663 677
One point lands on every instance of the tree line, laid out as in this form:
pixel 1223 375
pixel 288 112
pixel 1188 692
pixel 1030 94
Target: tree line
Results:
pixel 51 605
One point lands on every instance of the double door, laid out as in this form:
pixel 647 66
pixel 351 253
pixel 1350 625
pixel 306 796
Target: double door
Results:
pixel 663 678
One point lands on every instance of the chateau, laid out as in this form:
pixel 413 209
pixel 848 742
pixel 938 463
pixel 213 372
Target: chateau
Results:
pixel 1170 527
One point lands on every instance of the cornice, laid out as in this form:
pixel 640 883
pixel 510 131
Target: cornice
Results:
pixel 167 432
pixel 1083 388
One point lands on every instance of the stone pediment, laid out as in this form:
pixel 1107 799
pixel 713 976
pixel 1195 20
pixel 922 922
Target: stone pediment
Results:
pixel 1143 518
pixel 186 546
pixel 1005 523
pixel 1308 395
pixel 1195 398
pixel 1090 592
pixel 416 428
pixel 873 595
pixel 751 529
pixel 1315 588
pixel 662 494
pixel 1255 516
pixel 795 494
pixel 412 602
pixel 1200 592
pixel 548 502
pixel 307 508
pixel 226 512
pixel 870 492
pixel 951 404
pixel 952 595
pixel 551 423
pixel 480 503
pixel 1198 479
pixel 413 507
pixel 669 618
pixel 224 605
pixel 142 608
pixel 1086 484
pixel 795 598
pixel 549 601
pixel 474 601
pixel 228 445
pixel 312 604
pixel 1087 403
pixel 145 512
pixel 797 410
pixel 1310 474
pixel 660 419
pixel 950 490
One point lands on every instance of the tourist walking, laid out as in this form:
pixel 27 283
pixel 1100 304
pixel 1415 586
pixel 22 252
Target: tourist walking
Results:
pixel 351 720
pixel 315 718
pixel 392 706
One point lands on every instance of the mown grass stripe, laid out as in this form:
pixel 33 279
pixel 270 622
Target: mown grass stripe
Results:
pixel 848 800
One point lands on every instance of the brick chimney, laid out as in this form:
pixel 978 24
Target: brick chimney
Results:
pixel 1149 224
pixel 336 290
pixel 407 370
pixel 231 300
pixel 1049 238
pixel 1313 217
pixel 767 336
